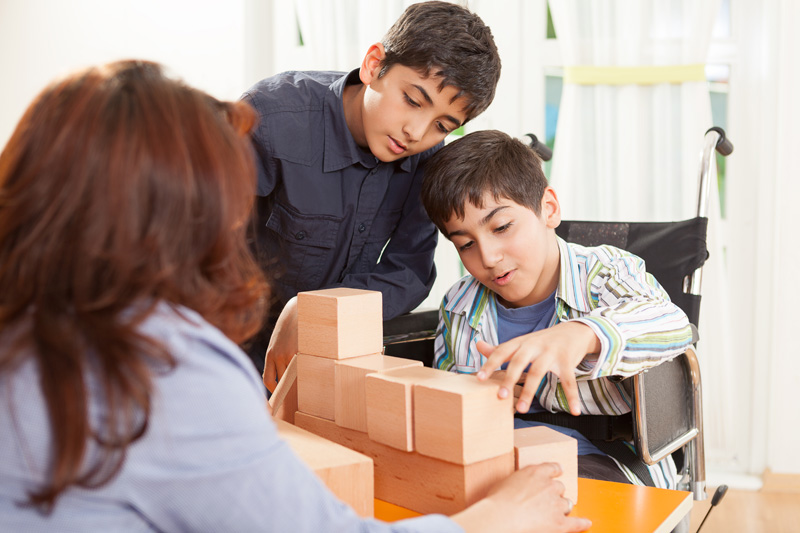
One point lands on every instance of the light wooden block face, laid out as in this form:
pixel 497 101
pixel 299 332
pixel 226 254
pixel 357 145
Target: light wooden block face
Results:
pixel 283 402
pixel 347 473
pixel 315 385
pixel 414 481
pixel 350 388
pixel 462 420
pixel 390 404
pixel 340 323
pixel 539 444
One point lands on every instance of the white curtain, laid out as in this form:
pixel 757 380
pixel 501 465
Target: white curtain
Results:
pixel 632 152
pixel 337 33
pixel 764 249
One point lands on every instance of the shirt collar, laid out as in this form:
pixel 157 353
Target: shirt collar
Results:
pixel 570 288
pixel 472 299
pixel 570 284
pixel 340 149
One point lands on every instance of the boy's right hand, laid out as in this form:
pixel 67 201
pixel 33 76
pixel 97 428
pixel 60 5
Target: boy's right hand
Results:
pixel 558 349
pixel 282 345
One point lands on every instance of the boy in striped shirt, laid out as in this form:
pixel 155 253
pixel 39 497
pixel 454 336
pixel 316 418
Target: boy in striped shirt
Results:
pixel 576 320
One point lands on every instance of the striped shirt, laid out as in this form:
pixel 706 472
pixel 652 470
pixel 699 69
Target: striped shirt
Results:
pixel 603 287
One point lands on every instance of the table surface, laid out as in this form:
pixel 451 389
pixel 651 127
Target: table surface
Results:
pixel 608 505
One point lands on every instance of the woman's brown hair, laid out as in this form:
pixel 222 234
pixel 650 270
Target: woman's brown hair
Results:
pixel 119 189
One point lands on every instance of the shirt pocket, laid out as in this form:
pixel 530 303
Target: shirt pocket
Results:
pixel 380 232
pixel 306 245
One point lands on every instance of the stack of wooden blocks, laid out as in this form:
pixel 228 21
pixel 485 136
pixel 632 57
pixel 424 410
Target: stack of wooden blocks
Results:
pixel 438 440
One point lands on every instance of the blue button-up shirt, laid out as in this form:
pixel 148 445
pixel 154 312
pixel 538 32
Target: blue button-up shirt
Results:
pixel 327 208
pixel 210 460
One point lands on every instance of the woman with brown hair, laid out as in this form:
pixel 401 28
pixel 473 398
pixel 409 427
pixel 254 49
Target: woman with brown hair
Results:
pixel 125 285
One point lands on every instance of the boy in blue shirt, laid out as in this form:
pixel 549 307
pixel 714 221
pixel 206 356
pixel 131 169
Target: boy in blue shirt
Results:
pixel 576 320
pixel 340 156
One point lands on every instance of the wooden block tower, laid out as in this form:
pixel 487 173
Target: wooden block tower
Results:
pixel 439 440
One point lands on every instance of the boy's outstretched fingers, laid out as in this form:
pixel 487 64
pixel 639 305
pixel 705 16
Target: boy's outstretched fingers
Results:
pixel 493 361
pixel 570 387
pixel 486 350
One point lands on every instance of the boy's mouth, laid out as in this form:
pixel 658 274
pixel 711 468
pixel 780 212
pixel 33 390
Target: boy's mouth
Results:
pixel 504 278
pixel 396 147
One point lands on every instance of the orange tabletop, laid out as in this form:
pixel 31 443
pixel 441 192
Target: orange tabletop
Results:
pixel 612 507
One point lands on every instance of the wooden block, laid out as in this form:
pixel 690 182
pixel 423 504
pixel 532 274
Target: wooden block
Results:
pixel 315 379
pixel 540 444
pixel 462 420
pixel 390 404
pixel 349 474
pixel 413 481
pixel 350 391
pixel 283 402
pixel 340 323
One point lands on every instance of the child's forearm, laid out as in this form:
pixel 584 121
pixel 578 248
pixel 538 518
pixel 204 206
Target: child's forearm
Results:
pixel 630 342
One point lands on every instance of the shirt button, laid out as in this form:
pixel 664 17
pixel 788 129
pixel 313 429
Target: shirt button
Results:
pixel 361 228
pixel 374 171
pixel 300 235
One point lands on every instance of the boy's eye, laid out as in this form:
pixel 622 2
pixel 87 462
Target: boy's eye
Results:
pixel 502 228
pixel 466 246
pixel 410 102
pixel 442 128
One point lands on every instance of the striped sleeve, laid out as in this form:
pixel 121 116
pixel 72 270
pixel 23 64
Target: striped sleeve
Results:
pixel 443 356
pixel 637 324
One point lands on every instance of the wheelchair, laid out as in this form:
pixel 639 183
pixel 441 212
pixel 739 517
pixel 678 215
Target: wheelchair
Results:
pixel 666 414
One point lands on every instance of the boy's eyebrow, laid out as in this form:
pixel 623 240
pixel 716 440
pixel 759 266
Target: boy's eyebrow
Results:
pixel 485 220
pixel 428 99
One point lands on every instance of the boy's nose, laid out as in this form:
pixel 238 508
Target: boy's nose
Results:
pixel 414 130
pixel 491 256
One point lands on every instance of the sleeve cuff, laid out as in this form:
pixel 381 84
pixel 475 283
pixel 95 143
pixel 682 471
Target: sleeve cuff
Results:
pixel 612 343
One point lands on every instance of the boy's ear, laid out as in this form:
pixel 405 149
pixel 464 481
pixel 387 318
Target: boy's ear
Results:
pixel 371 65
pixel 551 209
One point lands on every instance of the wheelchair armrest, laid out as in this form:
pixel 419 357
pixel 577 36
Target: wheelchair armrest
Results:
pixel 411 336
pixel 673 435
pixel 413 326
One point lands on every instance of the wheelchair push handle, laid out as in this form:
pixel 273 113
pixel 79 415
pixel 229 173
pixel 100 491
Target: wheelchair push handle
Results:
pixel 724 145
pixel 541 149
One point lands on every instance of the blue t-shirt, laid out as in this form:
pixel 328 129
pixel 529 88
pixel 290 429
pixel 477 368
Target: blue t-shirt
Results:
pixel 513 322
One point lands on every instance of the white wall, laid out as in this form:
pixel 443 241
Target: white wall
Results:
pixel 201 41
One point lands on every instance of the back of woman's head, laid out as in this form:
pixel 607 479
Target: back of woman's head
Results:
pixel 121 184
pixel 121 188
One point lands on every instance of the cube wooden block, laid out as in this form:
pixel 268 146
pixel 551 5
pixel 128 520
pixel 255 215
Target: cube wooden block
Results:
pixel 340 323
pixel 315 380
pixel 413 481
pixel 540 444
pixel 347 473
pixel 462 420
pixel 350 390
pixel 390 404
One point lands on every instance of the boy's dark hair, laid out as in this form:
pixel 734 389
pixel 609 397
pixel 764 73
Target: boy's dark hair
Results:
pixel 483 161
pixel 448 41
